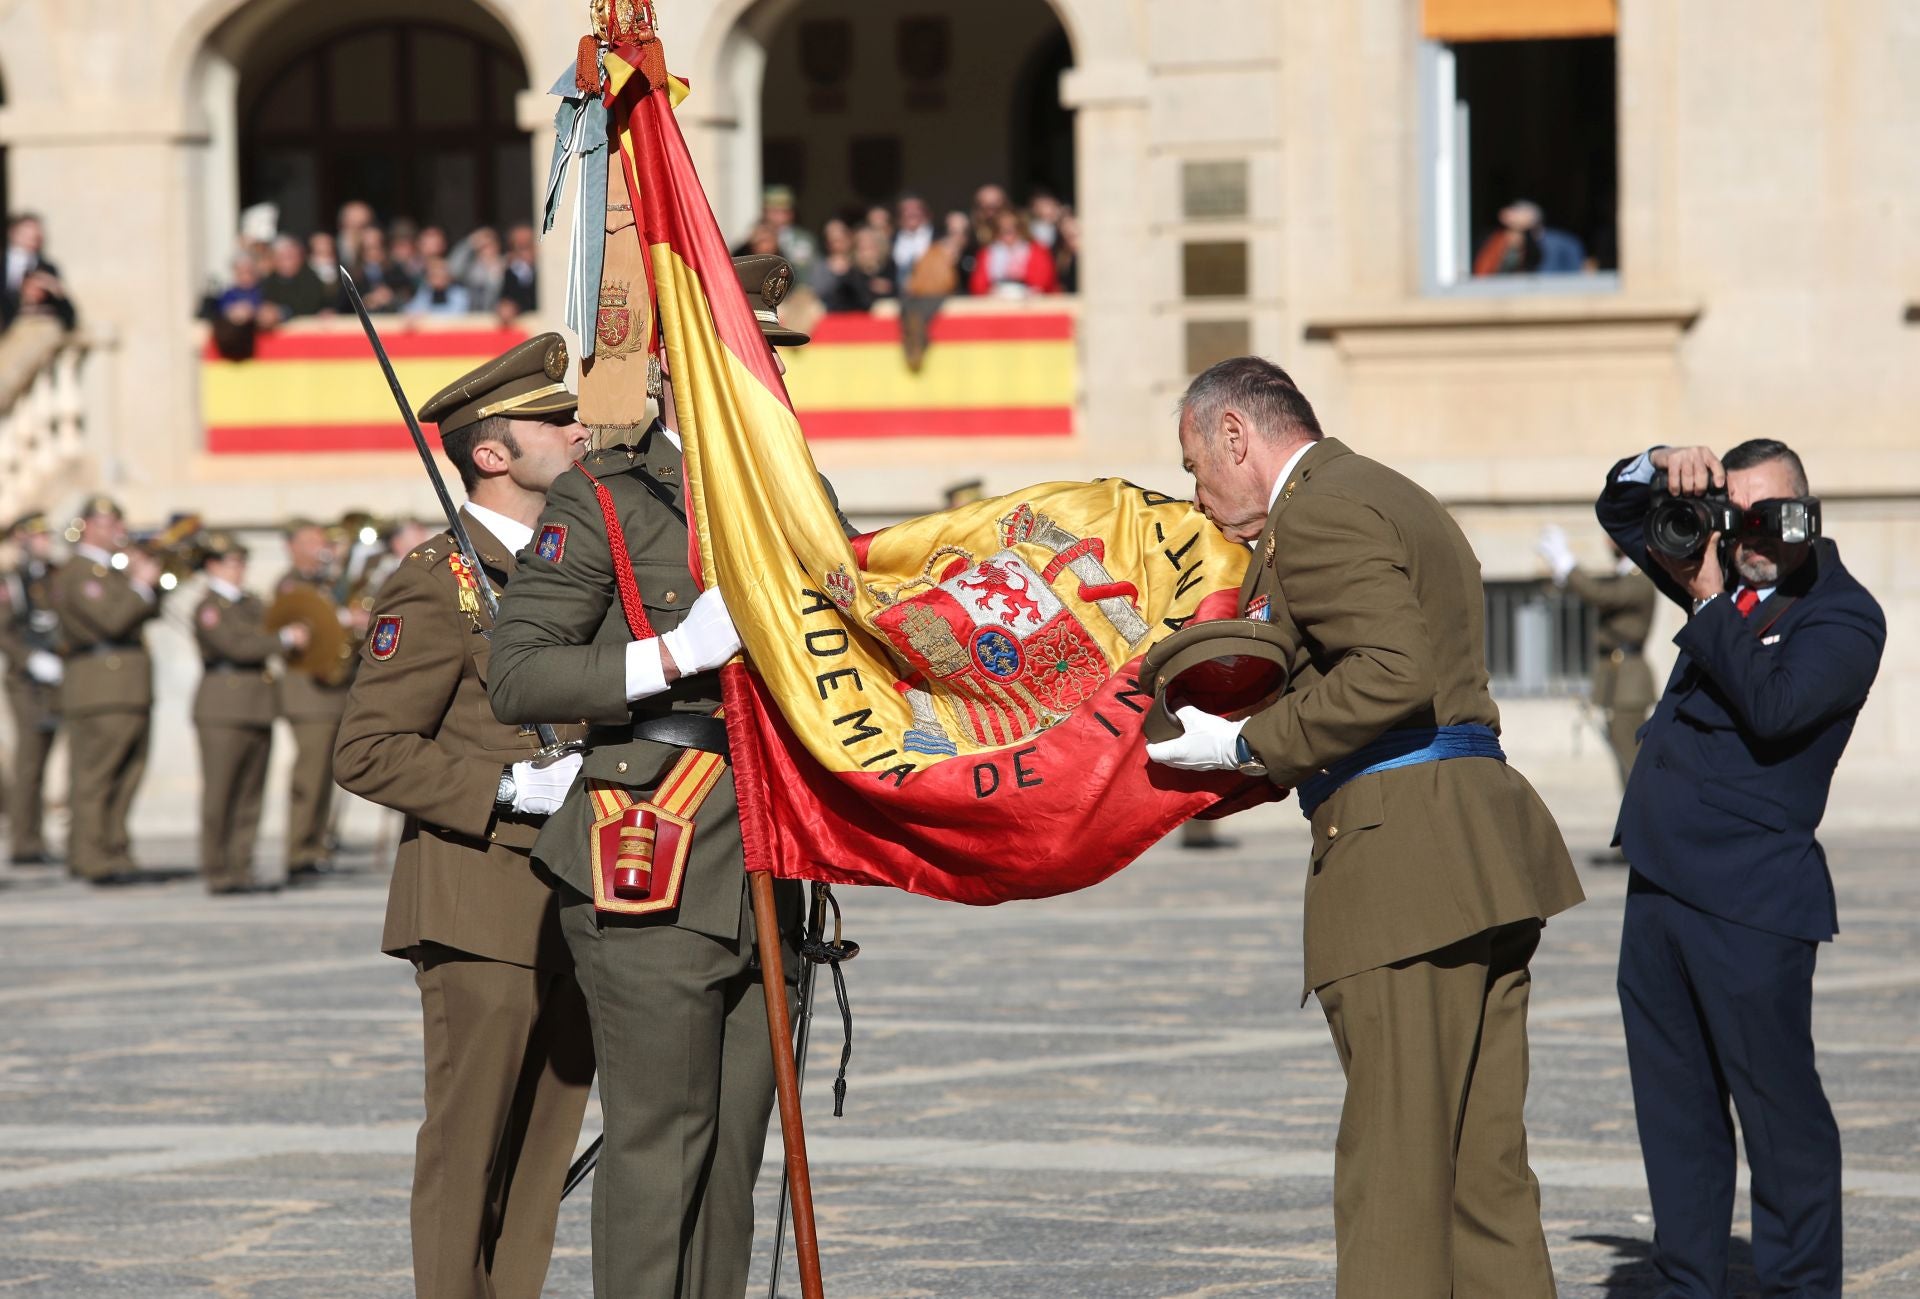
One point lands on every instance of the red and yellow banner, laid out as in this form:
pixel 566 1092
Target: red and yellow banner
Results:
pixel 949 706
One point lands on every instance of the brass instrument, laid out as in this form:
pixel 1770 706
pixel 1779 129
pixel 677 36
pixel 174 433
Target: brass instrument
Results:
pixel 176 547
pixel 327 656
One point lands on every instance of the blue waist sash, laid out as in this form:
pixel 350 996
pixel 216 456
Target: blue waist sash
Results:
pixel 1400 749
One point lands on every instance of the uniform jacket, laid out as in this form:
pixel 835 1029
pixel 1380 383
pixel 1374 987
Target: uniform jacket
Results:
pixel 303 699
pixel 236 682
pixel 28 623
pixel 420 737
pixel 101 618
pixel 1381 592
pixel 1738 757
pixel 1625 603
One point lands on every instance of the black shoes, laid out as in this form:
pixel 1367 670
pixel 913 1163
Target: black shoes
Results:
pixel 242 890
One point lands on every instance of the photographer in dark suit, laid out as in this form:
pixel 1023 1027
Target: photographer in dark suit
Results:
pixel 1730 897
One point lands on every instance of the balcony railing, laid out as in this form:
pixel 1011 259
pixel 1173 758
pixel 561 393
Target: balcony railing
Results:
pixel 43 435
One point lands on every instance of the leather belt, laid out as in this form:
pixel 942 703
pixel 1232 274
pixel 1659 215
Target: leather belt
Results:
pixel 109 648
pixel 685 731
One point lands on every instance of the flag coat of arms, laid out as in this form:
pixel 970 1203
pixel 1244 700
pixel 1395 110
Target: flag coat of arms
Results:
pixel 949 705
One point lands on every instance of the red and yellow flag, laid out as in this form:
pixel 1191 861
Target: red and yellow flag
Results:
pixel 950 705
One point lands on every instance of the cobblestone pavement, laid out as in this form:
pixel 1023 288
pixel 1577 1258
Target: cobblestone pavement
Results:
pixel 1103 1096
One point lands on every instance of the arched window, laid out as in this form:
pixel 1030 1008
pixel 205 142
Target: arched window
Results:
pixel 415 118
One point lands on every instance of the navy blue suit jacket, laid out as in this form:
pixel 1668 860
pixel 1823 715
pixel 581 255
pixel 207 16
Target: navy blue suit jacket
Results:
pixel 1737 760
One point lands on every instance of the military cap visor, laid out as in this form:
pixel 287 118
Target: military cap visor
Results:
pixel 765 278
pixel 28 524
pixel 527 381
pixel 1224 666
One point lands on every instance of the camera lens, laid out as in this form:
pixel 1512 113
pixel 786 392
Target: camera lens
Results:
pixel 1678 527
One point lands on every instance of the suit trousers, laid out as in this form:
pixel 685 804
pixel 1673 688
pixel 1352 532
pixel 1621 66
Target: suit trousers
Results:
pixel 1717 1011
pixel 1432 1194
pixel 233 769
pixel 26 799
pixel 108 755
pixel 509 1066
pixel 310 792
pixel 686 1086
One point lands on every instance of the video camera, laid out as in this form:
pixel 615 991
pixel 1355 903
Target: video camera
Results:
pixel 1678 526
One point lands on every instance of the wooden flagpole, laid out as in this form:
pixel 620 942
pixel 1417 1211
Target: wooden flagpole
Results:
pixel 786 1083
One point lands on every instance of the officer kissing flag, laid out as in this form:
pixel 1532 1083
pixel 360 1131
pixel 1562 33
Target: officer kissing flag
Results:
pixel 950 705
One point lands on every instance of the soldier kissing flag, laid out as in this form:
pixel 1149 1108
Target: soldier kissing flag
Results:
pixel 950 705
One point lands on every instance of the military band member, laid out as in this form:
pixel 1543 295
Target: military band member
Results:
pixel 29 637
pixel 104 596
pixel 312 708
pixel 233 712
pixel 509 1057
pixel 679 1021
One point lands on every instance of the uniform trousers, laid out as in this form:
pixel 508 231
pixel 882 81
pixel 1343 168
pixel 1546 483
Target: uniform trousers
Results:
pixel 509 1066
pixel 233 768
pixel 108 755
pixel 1432 1194
pixel 686 1086
pixel 1623 736
pixel 310 791
pixel 1717 1011
pixel 26 790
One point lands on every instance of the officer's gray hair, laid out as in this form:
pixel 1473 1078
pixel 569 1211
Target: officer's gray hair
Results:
pixel 1263 393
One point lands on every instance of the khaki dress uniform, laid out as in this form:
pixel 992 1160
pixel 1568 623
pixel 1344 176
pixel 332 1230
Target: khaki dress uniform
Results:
pixel 1427 888
pixel 106 699
pixel 509 1057
pixel 233 712
pixel 1622 682
pixel 28 623
pixel 313 711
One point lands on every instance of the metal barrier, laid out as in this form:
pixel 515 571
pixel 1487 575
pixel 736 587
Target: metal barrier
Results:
pixel 1539 640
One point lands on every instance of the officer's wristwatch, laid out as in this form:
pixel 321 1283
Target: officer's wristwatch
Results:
pixel 508 791
pixel 1245 761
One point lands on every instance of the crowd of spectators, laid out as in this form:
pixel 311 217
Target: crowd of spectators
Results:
pixel 400 267
pixel 33 286
pixel 866 256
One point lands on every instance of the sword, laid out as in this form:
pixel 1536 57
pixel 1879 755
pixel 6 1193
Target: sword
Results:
pixel 551 745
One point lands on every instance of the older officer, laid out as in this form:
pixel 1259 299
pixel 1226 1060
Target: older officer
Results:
pixel 233 712
pixel 1730 898
pixel 679 1022
pixel 1434 863
pixel 29 637
pixel 104 595
pixel 312 708
pixel 509 1055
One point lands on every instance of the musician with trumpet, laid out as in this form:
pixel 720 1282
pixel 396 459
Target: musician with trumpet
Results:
pixel 104 595
pixel 313 693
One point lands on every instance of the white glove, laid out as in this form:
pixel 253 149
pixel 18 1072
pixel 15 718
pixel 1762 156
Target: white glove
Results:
pixel 45 667
pixel 707 638
pixel 1210 742
pixel 1552 547
pixel 539 791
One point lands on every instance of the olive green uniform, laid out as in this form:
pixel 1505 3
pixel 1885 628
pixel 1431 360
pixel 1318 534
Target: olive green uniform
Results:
pixel 106 699
pixel 313 711
pixel 1427 887
pixel 28 623
pixel 1622 682
pixel 509 1057
pixel 233 713
pixel 679 1022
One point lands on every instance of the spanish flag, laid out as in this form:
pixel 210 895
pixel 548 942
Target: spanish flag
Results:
pixel 950 705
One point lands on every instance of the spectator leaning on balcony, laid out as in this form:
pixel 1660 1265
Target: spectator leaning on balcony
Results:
pixel 383 284
pixel 1013 263
pixel 438 294
pixel 291 285
pixel 914 237
pixel 479 264
pixel 33 286
pixel 792 242
pixel 1066 265
pixel 323 259
pixel 520 277
pixel 1525 244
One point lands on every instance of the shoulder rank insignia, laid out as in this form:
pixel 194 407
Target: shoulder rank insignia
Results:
pixel 552 542
pixel 384 640
pixel 1260 609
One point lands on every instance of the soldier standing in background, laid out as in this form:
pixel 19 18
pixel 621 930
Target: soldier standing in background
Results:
pixel 508 1052
pixel 313 709
pixel 103 596
pixel 1622 688
pixel 233 713
pixel 29 637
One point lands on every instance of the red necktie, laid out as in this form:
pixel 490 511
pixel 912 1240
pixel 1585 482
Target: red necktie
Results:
pixel 1745 600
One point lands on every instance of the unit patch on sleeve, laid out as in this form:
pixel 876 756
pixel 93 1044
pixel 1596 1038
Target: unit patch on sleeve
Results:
pixel 209 617
pixel 384 640
pixel 552 543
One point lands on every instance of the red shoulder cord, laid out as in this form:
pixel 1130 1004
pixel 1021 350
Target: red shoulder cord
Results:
pixel 622 562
